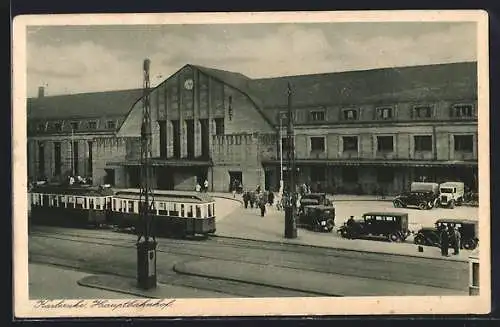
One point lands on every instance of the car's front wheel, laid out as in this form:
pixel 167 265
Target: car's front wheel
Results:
pixel 419 240
pixel 469 245
pixel 422 205
pixel 394 237
pixel 397 204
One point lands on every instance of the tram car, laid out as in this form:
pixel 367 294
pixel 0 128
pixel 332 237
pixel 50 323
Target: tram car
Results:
pixel 70 206
pixel 175 213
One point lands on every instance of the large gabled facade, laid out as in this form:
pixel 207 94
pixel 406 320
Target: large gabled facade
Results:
pixel 354 131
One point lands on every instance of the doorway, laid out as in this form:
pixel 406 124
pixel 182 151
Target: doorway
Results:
pixel 235 177
pixel 110 177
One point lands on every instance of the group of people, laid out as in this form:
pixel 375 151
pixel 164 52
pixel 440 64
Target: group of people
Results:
pixel 450 235
pixel 261 199
pixel 199 188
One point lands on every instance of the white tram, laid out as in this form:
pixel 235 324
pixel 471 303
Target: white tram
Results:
pixel 69 206
pixel 175 213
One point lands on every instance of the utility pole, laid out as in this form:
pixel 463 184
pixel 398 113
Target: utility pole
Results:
pixel 146 241
pixel 291 194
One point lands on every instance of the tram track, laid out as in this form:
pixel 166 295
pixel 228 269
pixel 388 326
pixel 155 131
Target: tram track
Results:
pixel 315 260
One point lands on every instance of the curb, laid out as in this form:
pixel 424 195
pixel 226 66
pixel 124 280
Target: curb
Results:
pixel 82 283
pixel 227 198
pixel 339 249
pixel 251 283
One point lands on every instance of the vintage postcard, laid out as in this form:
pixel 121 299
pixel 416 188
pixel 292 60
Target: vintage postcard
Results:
pixel 247 164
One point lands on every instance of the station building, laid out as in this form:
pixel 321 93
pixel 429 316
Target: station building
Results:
pixel 354 132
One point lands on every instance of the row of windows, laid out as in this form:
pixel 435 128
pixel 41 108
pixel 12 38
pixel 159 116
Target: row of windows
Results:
pixel 70 201
pixel 385 143
pixel 119 205
pixel 167 208
pixel 387 113
pixel 59 126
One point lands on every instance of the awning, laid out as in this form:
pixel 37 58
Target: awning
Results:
pixel 379 163
pixel 162 163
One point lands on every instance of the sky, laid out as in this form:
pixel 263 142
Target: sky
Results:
pixel 78 59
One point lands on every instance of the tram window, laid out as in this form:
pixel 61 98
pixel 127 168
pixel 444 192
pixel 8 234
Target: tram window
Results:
pixel 71 202
pixel 91 203
pixel 54 200
pixel 108 203
pixel 182 211
pixel 113 205
pixel 46 201
pixel 162 208
pixel 198 212
pixel 79 203
pixel 130 206
pixel 213 209
pixel 190 211
pixel 209 210
pixel 97 204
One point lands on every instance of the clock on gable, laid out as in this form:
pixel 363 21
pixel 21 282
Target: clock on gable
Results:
pixel 188 84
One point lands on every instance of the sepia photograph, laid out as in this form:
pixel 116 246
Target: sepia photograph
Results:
pixel 236 164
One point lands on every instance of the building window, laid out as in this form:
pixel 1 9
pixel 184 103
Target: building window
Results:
pixel 92 124
pixel 74 149
pixel 41 127
pixel 385 113
pixel 463 110
pixel 350 143
pixel 464 143
pixel 41 159
pixel 219 126
pixel 317 116
pixel 422 112
pixel 350 114
pixel 318 144
pixel 385 144
pixel 349 175
pixel 90 158
pixel 111 124
pixel 58 127
pixel 423 143
pixel 74 125
pixel 57 158
pixel 284 142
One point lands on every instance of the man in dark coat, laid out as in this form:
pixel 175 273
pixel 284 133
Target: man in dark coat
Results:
pixel 457 238
pixel 444 241
pixel 262 205
pixel 246 198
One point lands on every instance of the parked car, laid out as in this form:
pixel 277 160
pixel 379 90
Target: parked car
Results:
pixel 432 235
pixel 391 225
pixel 451 194
pixel 317 217
pixel 421 195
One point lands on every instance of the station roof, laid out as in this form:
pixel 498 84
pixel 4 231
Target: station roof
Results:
pixel 425 83
pixel 83 105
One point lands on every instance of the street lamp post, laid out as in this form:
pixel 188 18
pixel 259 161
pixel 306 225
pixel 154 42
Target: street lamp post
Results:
pixel 291 196
pixel 146 241
pixel 281 155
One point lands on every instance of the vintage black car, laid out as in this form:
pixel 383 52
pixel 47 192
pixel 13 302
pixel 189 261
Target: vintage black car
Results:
pixel 317 217
pixel 422 200
pixel 432 235
pixel 315 198
pixel 391 225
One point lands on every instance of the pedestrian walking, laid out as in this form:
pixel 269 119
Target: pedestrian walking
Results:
pixel 262 205
pixel 205 185
pixel 198 187
pixel 444 241
pixel 270 198
pixel 457 239
pixel 246 198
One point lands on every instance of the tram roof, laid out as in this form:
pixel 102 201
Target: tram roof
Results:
pixel 159 195
pixel 83 190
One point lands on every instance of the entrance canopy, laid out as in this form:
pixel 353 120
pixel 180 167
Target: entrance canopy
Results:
pixel 385 163
pixel 162 163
